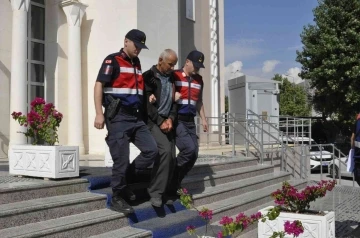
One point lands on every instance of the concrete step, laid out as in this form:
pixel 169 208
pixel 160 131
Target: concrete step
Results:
pixel 41 209
pixel 172 224
pixel 210 179
pixel 33 189
pixel 224 191
pixel 213 163
pixel 234 205
pixel 80 225
pixel 4 161
pixel 128 231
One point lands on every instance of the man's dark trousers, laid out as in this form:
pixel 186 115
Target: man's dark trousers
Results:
pixel 122 130
pixel 164 163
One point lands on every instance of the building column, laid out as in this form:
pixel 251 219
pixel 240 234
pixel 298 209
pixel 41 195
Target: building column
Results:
pixel 214 64
pixel 74 11
pixel 18 88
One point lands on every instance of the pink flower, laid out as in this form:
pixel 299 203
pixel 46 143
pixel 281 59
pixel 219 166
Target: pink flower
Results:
pixel 185 191
pixel 190 227
pixel 48 107
pixel 206 214
pixel 295 228
pixel 226 220
pixel 37 101
pixel 256 216
pixel 220 235
pixel 41 121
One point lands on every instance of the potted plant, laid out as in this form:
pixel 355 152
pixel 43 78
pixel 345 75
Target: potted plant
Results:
pixel 273 221
pixel 293 204
pixel 42 158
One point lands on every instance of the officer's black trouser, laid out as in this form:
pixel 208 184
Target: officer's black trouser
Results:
pixel 164 163
pixel 357 172
pixel 187 143
pixel 121 130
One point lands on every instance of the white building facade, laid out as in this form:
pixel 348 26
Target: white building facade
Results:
pixel 54 49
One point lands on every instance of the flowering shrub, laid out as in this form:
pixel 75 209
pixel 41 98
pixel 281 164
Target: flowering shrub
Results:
pixel 41 122
pixel 241 222
pixel 287 199
pixel 290 199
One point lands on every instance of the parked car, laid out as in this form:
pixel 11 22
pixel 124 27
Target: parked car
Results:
pixel 319 156
pixel 334 168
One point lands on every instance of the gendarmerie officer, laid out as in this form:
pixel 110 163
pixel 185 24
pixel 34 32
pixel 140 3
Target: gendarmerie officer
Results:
pixel 189 86
pixel 120 88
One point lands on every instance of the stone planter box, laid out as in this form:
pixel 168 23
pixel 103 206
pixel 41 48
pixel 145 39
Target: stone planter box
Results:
pixel 316 226
pixel 44 161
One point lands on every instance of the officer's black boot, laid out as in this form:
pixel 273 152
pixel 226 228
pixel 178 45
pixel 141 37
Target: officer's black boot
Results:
pixel 129 194
pixel 119 204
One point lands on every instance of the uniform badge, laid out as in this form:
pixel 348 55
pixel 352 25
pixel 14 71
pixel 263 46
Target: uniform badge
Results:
pixel 200 60
pixel 107 69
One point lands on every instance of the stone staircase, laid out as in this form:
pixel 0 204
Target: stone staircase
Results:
pixel 66 208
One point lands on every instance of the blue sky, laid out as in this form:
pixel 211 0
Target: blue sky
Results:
pixel 257 31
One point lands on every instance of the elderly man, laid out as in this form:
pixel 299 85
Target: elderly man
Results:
pixel 160 89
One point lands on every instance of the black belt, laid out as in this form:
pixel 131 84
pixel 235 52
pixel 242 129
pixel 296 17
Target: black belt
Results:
pixel 130 110
pixel 187 118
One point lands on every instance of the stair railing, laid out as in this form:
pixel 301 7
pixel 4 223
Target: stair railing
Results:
pixel 287 163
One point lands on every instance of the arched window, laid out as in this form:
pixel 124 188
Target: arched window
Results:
pixel 36 80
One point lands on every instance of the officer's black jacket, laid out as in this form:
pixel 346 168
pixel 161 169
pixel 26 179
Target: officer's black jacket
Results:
pixel 153 86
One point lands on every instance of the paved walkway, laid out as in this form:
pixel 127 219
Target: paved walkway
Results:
pixel 345 201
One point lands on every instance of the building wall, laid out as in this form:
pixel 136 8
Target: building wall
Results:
pixel 103 31
pixel 195 35
pixel 5 74
pixel 56 62
pixel 159 20
pixel 221 50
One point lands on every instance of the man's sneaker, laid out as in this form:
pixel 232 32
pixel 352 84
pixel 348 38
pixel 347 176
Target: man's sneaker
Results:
pixel 156 202
pixel 118 204
pixel 129 194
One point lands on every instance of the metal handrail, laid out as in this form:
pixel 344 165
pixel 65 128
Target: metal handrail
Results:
pixel 252 139
pixel 281 142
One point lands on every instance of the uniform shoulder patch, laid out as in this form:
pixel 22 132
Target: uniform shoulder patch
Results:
pixel 108 61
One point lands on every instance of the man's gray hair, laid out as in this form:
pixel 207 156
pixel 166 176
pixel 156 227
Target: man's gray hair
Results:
pixel 166 53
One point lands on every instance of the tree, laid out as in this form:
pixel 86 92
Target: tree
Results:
pixel 293 98
pixel 330 58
